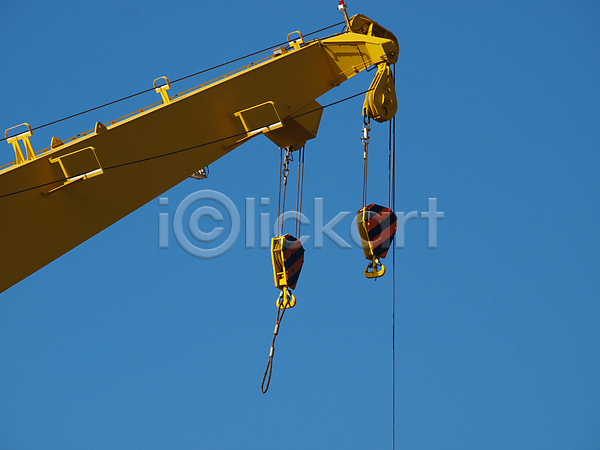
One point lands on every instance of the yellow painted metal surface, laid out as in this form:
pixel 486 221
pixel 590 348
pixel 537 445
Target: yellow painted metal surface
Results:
pixel 380 102
pixel 23 137
pixel 146 154
pixel 286 298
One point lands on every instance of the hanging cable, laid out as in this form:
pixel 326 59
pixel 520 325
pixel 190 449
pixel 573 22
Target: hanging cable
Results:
pixel 390 163
pixel 376 224
pixel 285 171
pixel 365 140
pixel 279 194
pixel 393 203
pixel 299 190
pixel 174 81
pixel 298 193
pixel 287 253
pixel 393 208
pixel 269 369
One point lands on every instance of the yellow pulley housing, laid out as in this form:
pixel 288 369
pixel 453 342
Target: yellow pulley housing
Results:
pixel 287 255
pixel 381 103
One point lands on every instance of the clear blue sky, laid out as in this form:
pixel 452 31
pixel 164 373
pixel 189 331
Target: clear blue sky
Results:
pixel 120 344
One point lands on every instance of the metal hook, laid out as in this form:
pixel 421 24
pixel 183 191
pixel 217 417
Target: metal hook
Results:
pixel 286 299
pixel 377 271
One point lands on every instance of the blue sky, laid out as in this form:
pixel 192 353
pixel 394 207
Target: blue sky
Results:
pixel 120 344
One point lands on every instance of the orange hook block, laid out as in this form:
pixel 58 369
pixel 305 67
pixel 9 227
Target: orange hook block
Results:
pixel 376 228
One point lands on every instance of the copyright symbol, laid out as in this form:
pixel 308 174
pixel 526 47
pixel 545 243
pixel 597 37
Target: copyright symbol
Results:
pixel 193 224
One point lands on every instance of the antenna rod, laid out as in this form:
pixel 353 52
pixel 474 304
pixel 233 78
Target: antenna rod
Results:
pixel 342 9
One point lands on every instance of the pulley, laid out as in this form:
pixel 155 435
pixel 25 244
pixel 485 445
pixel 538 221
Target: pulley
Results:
pixel 377 224
pixel 287 255
pixel 376 228
pixel 381 103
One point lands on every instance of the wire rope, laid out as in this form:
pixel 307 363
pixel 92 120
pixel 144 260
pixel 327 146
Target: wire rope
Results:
pixel 172 82
pixel 393 208
pixel 269 369
pixel 299 190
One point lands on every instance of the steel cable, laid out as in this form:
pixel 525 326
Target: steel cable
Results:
pixel 269 369
pixel 174 81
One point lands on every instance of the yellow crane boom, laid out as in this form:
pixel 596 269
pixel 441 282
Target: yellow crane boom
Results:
pixel 54 200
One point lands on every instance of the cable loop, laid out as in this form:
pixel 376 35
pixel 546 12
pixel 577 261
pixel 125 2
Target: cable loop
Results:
pixel 269 369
